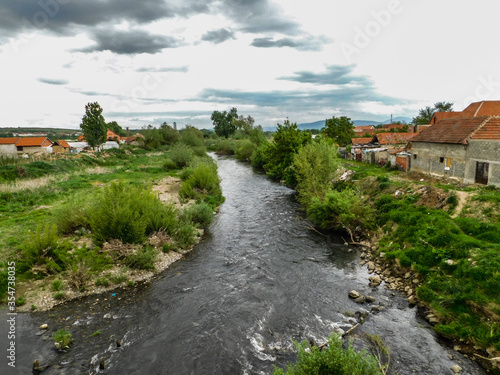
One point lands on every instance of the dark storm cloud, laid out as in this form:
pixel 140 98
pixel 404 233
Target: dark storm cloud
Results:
pixel 309 43
pixel 218 36
pixel 130 42
pixel 334 75
pixel 67 16
pixel 51 81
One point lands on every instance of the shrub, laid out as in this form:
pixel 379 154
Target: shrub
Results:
pixel 128 213
pixel 102 281
pixel 245 150
pixel 143 259
pixel 332 360
pixel 59 296
pixel 202 183
pixel 20 301
pixel 45 248
pixel 342 210
pixel 72 215
pixel 200 214
pixel 184 235
pixel 57 285
pixel 181 154
pixel 169 165
pixel 315 166
pixel 192 137
pixel 62 339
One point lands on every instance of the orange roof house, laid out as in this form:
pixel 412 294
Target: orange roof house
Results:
pixel 9 141
pixel 112 136
pixel 477 109
pixel 34 144
pixel 8 146
pixel 61 147
pixel 361 141
pixel 467 149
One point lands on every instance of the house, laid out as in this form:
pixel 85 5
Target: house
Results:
pixel 34 144
pixel 77 147
pixel 394 140
pixel 134 139
pixel 8 146
pixel 358 145
pixel 467 149
pixel 61 147
pixel 112 136
pixel 476 109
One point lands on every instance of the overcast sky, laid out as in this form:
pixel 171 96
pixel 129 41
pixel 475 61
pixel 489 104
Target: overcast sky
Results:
pixel 151 61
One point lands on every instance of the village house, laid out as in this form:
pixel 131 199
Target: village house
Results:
pixel 112 136
pixel 467 149
pixel 34 144
pixel 8 146
pixel 61 147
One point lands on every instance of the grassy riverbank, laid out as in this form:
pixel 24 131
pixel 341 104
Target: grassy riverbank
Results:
pixel 80 224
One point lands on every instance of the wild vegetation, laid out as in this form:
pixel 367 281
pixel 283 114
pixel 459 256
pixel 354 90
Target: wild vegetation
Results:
pixel 79 221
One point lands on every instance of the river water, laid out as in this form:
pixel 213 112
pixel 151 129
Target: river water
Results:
pixel 259 279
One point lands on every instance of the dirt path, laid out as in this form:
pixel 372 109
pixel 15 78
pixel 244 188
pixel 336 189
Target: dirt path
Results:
pixel 462 200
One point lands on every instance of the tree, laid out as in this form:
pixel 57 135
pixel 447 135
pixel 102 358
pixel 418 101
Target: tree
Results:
pixel 223 122
pixel 93 125
pixel 340 129
pixel 425 114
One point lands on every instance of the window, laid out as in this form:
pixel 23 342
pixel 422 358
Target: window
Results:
pixel 441 159
pixel 414 156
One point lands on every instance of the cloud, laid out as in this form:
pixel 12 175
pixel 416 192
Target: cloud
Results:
pixel 130 42
pixel 309 43
pixel 259 16
pixel 334 75
pixel 52 81
pixel 175 69
pixel 217 36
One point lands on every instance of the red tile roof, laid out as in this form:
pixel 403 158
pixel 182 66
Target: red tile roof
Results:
pixel 460 130
pixel 63 143
pixel 393 138
pixel 361 141
pixel 484 108
pixel 442 115
pixel 34 142
pixel 9 141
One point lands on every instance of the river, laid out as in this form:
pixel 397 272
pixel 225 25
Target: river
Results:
pixel 259 279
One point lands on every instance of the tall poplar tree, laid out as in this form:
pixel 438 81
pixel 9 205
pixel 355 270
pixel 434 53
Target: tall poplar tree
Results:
pixel 93 125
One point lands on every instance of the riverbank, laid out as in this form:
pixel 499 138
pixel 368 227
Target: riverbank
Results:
pixel 92 230
pixel 435 242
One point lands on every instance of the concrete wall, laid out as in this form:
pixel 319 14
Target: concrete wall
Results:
pixel 431 158
pixel 10 150
pixel 485 151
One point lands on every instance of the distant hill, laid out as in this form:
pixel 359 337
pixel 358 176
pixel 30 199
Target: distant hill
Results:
pixel 321 123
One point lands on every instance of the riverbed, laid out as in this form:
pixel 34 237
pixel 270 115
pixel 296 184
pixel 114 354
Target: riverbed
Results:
pixel 259 279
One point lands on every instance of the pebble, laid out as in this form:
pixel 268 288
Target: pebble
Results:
pixel 44 326
pixel 456 369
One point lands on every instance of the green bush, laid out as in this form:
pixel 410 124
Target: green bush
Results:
pixel 181 154
pixel 72 215
pixel 102 281
pixel 332 360
pixel 143 259
pixel 202 183
pixel 342 210
pixel 184 235
pixel 128 213
pixel 200 214
pixel 45 248
pixel 59 296
pixel 192 137
pixel 315 166
pixel 169 165
pixel 245 150
pixel 62 338
pixel 57 285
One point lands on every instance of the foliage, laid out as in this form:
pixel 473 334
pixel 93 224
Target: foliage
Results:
pixel 425 114
pixel 203 183
pixel 181 154
pixel 347 210
pixel 57 285
pixel 315 166
pixel 277 157
pixel 332 360
pixel 44 247
pixel 93 125
pixel 192 137
pixel 114 127
pixel 200 214
pixel 143 259
pixel 245 150
pixel 223 122
pixel 63 338
pixel 340 129
pixel 128 213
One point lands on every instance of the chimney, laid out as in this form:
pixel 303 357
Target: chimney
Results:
pixel 128 136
